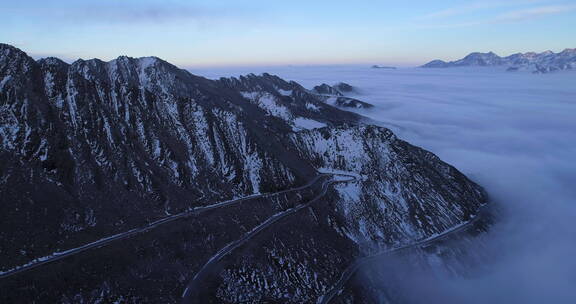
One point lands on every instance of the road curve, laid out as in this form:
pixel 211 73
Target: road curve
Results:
pixel 352 268
pixel 193 288
pixel 124 235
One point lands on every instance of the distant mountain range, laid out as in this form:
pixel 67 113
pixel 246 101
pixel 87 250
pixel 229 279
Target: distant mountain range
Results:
pixel 383 67
pixel 535 62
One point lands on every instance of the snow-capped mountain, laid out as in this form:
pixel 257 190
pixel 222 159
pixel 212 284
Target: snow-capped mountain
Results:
pixel 96 149
pixel 536 62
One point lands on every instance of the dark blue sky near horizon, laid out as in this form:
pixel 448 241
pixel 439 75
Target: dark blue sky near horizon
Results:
pixel 225 33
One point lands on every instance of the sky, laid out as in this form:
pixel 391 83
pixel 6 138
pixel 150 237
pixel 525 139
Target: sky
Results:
pixel 297 32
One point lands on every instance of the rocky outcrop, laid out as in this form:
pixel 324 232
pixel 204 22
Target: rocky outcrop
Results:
pixel 334 96
pixel 388 204
pixel 347 102
pixel 344 87
pixel 325 89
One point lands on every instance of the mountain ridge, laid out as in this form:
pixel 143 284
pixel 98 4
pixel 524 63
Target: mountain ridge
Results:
pixel 93 148
pixel 544 62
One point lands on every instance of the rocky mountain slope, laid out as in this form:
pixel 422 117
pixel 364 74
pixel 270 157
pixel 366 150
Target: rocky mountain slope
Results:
pixel 335 96
pixel 94 148
pixel 535 62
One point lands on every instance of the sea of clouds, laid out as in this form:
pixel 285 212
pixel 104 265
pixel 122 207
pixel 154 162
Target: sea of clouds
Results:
pixel 514 134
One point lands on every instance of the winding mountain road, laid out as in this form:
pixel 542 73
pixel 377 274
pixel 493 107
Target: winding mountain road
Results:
pixel 124 235
pixel 350 270
pixel 194 287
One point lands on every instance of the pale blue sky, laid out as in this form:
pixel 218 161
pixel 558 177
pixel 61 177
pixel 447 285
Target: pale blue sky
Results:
pixel 235 32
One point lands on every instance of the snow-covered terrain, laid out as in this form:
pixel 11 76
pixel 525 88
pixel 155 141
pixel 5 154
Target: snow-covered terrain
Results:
pixel 96 152
pixel 515 134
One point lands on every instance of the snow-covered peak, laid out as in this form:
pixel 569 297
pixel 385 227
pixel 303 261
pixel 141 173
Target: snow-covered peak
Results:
pixel 480 59
pixel 298 107
pixel 568 52
pixel 264 82
pixel 143 62
pixel 52 61
pixel 13 60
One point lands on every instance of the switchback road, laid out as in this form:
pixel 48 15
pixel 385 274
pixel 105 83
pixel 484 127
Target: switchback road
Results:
pixel 193 289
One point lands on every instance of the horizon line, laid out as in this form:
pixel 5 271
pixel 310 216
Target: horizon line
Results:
pixel 400 63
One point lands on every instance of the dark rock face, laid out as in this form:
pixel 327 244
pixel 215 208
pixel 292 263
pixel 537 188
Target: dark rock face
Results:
pixel 296 106
pixel 347 102
pixel 334 96
pixel 141 135
pixel 344 87
pixel 536 62
pixel 95 148
pixel 325 89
